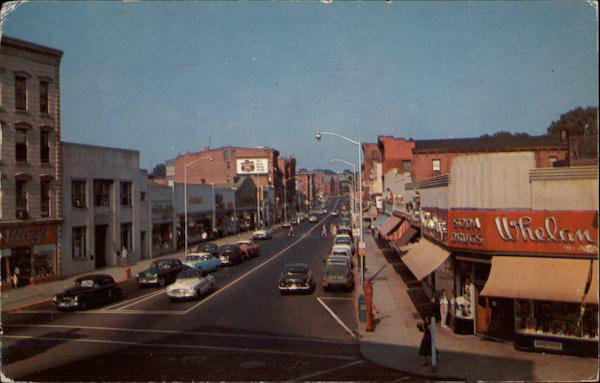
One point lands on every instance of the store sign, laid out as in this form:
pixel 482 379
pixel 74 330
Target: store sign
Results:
pixel 434 224
pixel 27 236
pixel 554 232
pixel 247 166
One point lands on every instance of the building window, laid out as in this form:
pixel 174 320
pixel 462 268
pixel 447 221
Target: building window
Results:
pixel 125 193
pixel 225 154
pixel 552 160
pixel 45 198
pixel 78 248
pixel 406 166
pixel 437 164
pixel 20 93
pixel 44 96
pixel 45 146
pixel 21 195
pixel 102 193
pixel 143 196
pixel 21 145
pixel 78 194
pixel 126 235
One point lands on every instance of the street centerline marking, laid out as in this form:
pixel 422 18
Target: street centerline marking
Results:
pixel 336 318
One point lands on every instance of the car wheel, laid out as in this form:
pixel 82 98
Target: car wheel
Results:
pixel 162 282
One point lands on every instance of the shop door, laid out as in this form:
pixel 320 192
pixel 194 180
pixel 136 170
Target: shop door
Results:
pixel 100 245
pixel 502 312
pixel 21 258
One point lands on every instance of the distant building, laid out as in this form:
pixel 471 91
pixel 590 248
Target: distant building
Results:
pixel 106 207
pixel 30 161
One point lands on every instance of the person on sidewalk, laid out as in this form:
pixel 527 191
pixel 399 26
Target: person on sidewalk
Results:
pixel 123 255
pixel 15 277
pixel 291 231
pixel 324 231
pixel 444 303
pixel 425 347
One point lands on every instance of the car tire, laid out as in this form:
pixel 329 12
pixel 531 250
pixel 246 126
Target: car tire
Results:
pixel 162 282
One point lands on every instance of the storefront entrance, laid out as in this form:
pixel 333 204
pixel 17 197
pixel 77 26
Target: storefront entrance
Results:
pixel 100 245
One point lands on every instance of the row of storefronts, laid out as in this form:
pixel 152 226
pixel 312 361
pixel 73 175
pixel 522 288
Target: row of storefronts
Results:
pixel 523 275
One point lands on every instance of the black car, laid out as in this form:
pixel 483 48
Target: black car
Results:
pixel 88 291
pixel 230 254
pixel 161 272
pixel 296 277
pixel 208 247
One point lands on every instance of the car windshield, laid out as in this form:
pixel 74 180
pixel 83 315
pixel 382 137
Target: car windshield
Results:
pixel 340 253
pixel 188 273
pixel 163 265
pixel 196 257
pixel 344 240
pixel 87 283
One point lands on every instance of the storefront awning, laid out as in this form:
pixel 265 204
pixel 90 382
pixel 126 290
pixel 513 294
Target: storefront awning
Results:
pixel 545 279
pixel 380 220
pixel 592 295
pixel 389 225
pixel 405 234
pixel 424 257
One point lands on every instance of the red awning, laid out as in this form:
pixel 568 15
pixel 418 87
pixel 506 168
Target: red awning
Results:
pixel 388 226
pixel 407 233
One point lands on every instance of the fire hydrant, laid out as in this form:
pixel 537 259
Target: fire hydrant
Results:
pixel 368 288
pixel 127 272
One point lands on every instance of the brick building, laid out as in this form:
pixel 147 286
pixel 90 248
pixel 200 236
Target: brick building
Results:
pixel 372 167
pixel 306 188
pixel 30 161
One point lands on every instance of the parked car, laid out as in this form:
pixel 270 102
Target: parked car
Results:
pixel 161 272
pixel 208 247
pixel 344 230
pixel 249 248
pixel 296 277
pixel 230 254
pixel 344 240
pixel 336 258
pixel 334 213
pixel 338 275
pixel 262 233
pixel 341 250
pixel 202 261
pixel 88 291
pixel 245 226
pixel 286 224
pixel 312 218
pixel 190 284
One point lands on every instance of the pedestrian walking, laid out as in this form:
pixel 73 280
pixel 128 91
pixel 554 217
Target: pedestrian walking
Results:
pixel 444 303
pixel 291 231
pixel 16 276
pixel 425 347
pixel 123 255
pixel 324 231
pixel 333 229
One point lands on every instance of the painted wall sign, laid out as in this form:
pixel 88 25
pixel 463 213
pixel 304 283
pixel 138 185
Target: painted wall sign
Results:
pixel 541 231
pixel 247 166
pixel 26 236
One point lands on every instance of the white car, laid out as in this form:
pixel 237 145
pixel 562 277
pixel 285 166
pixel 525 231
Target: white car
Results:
pixel 312 218
pixel 190 284
pixel 344 240
pixel 339 259
pixel 262 233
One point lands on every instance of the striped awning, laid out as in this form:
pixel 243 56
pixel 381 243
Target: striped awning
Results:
pixel 380 220
pixel 405 234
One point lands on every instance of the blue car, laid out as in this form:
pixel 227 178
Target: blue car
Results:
pixel 202 261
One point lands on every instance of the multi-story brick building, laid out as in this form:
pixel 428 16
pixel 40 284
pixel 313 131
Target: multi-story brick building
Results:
pixel 289 196
pixel 306 188
pixel 30 161
pixel 372 168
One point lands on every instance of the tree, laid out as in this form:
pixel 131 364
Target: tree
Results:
pixel 159 171
pixel 577 122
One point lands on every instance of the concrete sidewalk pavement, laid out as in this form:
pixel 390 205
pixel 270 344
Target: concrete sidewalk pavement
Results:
pixel 29 295
pixel 395 341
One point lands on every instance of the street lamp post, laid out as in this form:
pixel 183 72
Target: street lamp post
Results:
pixel 361 244
pixel 214 210
pixel 185 204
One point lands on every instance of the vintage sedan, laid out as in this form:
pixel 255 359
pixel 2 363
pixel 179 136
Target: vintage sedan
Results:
pixel 202 261
pixel 191 284
pixel 312 218
pixel 230 254
pixel 249 248
pixel 88 291
pixel 208 247
pixel 262 233
pixel 296 277
pixel 160 273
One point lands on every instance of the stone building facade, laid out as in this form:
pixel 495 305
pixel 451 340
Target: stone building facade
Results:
pixel 30 161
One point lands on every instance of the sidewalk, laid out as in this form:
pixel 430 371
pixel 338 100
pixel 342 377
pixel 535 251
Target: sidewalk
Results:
pixel 22 297
pixel 395 341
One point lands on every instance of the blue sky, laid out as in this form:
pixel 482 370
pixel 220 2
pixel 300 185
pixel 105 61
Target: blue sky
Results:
pixel 169 77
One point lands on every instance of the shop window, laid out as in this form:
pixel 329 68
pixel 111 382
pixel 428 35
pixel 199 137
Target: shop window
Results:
pixel 44 97
pixel 78 248
pixel 43 260
pixel 45 198
pixel 562 319
pixel 78 194
pixel 21 145
pixel 102 193
pixel 143 196
pixel 20 93
pixel 126 236
pixel 436 165
pixel 44 146
pixel 21 198
pixel 125 193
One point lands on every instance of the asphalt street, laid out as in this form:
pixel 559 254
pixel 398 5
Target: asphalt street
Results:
pixel 244 330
